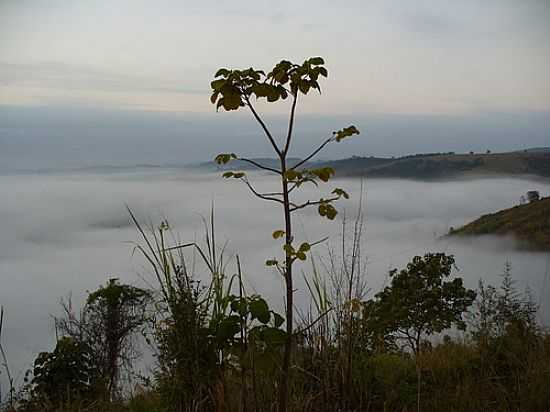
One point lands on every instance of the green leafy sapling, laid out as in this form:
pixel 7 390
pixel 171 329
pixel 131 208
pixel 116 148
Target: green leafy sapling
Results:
pixel 235 89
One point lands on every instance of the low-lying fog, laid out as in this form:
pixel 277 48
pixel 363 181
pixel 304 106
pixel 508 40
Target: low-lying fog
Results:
pixel 66 234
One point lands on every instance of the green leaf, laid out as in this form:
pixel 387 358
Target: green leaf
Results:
pixel 274 336
pixel 304 86
pixel 222 72
pixel 271 262
pixel 228 175
pixel 260 310
pixel 315 85
pixel 331 212
pixel 231 101
pixel 292 174
pixel 217 84
pixel 327 210
pixel 341 193
pixel 278 320
pixel 324 173
pixel 224 158
pixel 240 306
pixel 305 247
pixel 288 249
pixel 228 328
pixel 345 132
pixel 273 95
pixel 278 233
pixel 281 77
pixel 316 61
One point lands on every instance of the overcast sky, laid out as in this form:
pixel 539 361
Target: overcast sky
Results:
pixel 429 59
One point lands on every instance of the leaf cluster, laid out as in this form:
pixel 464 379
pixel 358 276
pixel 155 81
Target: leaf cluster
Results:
pixel 232 89
pixel 249 315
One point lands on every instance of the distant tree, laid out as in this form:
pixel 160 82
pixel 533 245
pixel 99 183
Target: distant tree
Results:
pixel 108 321
pixel 471 152
pixel 502 311
pixel 488 151
pixel 533 195
pixel 420 302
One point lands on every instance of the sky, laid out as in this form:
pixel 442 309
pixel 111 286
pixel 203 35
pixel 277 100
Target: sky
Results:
pixel 452 70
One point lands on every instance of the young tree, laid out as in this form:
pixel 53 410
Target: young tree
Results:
pixel 501 311
pixel 110 318
pixel 420 302
pixel 233 89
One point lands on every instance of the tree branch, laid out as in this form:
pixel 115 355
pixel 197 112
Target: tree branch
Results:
pixel 291 123
pixel 301 162
pixel 264 127
pixel 292 188
pixel 260 195
pixel 258 165
pixel 310 203
pixel 273 194
pixel 296 185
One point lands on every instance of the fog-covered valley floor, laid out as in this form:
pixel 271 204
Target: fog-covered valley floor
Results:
pixel 67 234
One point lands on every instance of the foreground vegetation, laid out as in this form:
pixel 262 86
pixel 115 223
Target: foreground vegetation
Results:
pixel 529 223
pixel 218 348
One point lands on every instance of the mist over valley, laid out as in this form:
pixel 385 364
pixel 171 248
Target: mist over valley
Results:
pixel 64 234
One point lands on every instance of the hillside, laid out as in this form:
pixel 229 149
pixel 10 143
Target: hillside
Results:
pixel 530 223
pixel 425 166
pixel 448 165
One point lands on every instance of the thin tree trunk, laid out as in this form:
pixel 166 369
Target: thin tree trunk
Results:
pixel 285 373
pixel 418 371
pixel 419 380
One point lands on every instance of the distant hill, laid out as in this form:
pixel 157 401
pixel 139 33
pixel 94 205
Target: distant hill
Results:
pixel 530 223
pixel 448 165
pixel 537 150
pixel 424 166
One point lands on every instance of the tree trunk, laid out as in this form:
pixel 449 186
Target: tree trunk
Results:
pixel 285 372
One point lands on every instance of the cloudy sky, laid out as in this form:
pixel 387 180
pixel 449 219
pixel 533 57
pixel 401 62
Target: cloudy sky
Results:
pixel 432 59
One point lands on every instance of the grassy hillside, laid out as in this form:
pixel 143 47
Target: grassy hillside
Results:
pixel 424 166
pixel 530 223
pixel 448 165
